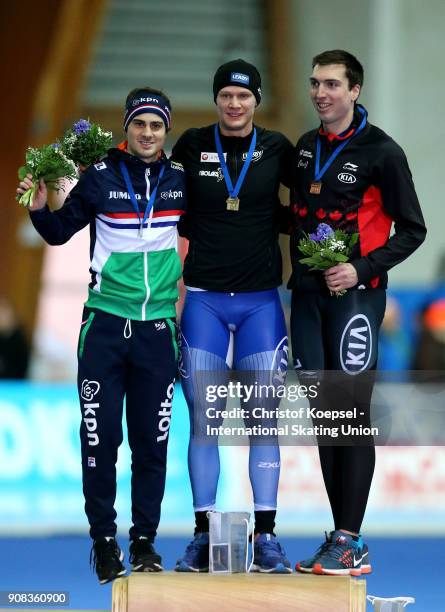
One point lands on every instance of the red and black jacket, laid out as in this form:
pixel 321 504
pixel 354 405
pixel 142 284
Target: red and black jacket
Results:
pixel 367 188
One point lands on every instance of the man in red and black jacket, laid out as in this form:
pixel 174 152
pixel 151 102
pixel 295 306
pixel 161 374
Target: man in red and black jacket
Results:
pixel 352 176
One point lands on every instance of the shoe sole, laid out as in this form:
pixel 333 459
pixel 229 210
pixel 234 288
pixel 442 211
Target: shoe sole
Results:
pixel 278 569
pixel 303 570
pixel 122 573
pixel 349 571
pixel 156 567
pixel 183 567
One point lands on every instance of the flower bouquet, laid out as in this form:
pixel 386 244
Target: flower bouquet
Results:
pixel 85 143
pixel 48 163
pixel 326 248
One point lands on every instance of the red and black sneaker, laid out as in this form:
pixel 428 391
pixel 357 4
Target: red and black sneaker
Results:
pixel 343 556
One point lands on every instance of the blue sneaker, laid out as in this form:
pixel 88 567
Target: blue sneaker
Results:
pixel 307 565
pixel 343 555
pixel 269 556
pixel 196 556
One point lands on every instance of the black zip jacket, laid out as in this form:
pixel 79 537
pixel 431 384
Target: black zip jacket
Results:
pixel 367 188
pixel 233 250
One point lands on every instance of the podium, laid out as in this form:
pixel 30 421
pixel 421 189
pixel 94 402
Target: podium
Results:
pixel 190 592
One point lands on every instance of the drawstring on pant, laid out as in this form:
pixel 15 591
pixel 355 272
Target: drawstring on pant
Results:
pixel 127 330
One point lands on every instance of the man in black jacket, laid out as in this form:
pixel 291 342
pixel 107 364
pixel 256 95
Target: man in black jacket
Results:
pixel 232 314
pixel 350 175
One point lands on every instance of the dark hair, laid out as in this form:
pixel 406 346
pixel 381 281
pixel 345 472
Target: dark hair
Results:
pixel 134 92
pixel 354 70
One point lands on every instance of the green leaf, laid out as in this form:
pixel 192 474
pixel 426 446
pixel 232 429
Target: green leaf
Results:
pixel 353 239
pixel 22 172
pixel 305 250
pixel 307 260
pixel 51 176
pixel 340 258
pixel 329 255
pixel 317 257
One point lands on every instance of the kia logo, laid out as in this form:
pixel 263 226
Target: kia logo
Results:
pixel 356 345
pixel 345 177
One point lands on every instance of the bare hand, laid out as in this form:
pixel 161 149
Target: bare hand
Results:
pixel 41 195
pixel 340 277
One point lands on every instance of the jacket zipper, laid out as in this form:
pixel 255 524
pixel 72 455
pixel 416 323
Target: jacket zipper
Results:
pixel 144 305
pixel 147 295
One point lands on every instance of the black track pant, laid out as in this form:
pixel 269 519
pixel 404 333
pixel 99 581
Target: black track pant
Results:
pixel 341 334
pixel 137 360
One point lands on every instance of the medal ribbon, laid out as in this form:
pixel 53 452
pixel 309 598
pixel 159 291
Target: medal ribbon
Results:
pixel 130 190
pixel 319 173
pixel 234 191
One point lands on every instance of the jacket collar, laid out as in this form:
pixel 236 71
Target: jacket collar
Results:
pixel 356 121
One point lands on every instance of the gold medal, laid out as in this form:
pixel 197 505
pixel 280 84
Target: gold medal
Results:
pixel 315 187
pixel 232 203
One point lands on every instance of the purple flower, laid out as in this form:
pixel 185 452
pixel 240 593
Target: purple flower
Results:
pixel 55 145
pixel 81 126
pixel 324 231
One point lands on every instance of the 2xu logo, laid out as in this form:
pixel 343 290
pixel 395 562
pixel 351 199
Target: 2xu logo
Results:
pixel 356 345
pixel 279 363
pixel 269 465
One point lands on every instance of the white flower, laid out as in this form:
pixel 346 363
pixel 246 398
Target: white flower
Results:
pixel 337 245
pixel 69 140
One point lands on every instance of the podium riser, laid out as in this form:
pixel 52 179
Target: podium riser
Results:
pixel 176 592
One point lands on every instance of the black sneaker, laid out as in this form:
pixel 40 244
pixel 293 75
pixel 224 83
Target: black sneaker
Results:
pixel 107 557
pixel 143 556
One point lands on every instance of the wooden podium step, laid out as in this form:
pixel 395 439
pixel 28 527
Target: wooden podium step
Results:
pixel 176 592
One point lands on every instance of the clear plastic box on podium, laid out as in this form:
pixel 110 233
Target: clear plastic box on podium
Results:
pixel 228 539
pixel 389 604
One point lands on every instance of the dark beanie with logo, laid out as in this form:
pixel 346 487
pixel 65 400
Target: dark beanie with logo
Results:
pixel 143 101
pixel 239 73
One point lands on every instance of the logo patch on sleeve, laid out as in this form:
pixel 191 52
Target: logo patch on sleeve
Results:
pixel 177 166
